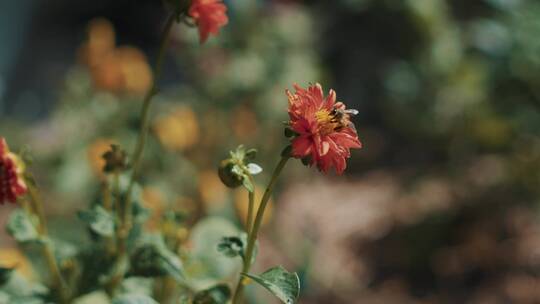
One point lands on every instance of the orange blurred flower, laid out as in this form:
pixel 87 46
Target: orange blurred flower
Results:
pixel 119 70
pixel 13 258
pixel 95 154
pixel 212 190
pixel 154 200
pixel 178 130
pixel 101 41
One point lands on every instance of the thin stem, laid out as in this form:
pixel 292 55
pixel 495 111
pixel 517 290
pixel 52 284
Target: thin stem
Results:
pixel 109 197
pixel 255 230
pixel 47 249
pixel 37 208
pixel 125 215
pixel 106 194
pixel 251 207
pixel 249 222
pixel 143 132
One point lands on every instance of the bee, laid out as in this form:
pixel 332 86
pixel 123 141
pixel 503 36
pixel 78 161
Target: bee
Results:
pixel 342 117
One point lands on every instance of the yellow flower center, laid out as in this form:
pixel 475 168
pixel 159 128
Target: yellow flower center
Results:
pixel 326 121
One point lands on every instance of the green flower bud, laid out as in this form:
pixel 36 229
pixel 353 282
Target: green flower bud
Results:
pixel 228 174
pixel 238 168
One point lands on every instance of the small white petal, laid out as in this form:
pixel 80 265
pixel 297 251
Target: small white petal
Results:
pixel 254 169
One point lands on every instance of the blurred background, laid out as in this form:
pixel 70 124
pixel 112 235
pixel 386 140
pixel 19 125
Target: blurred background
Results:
pixel 441 204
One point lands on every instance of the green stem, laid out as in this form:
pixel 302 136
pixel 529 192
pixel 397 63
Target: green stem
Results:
pixel 255 230
pixel 251 207
pixel 143 132
pixel 47 249
pixel 125 215
pixel 106 196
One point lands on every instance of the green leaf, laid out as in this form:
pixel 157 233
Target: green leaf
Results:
pixel 280 282
pixel 25 300
pixel 218 294
pixel 140 215
pixel 205 236
pixel 95 297
pixel 231 246
pixel 153 259
pixel 19 289
pixel 184 300
pixel 289 132
pixel 21 226
pixel 5 275
pixel 137 285
pixel 134 299
pixel 250 154
pixel 246 182
pixel 99 220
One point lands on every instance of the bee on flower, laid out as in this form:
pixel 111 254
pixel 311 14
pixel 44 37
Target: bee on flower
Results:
pixel 322 128
pixel 12 185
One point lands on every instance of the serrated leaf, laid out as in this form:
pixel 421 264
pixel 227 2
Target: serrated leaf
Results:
pixel 99 220
pixel 283 284
pixel 134 299
pixel 153 258
pixel 254 169
pixel 219 294
pixel 20 225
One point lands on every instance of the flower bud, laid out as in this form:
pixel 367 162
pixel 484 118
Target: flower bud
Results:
pixel 238 168
pixel 115 160
pixel 227 174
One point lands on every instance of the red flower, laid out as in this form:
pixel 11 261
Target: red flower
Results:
pixel 12 184
pixel 209 15
pixel 324 131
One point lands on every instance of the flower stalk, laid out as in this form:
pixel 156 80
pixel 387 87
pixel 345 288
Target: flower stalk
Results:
pixel 125 216
pixel 36 206
pixel 251 206
pixel 253 232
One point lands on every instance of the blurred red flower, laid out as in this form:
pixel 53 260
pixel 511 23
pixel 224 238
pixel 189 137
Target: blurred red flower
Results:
pixel 12 184
pixel 209 15
pixel 324 132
